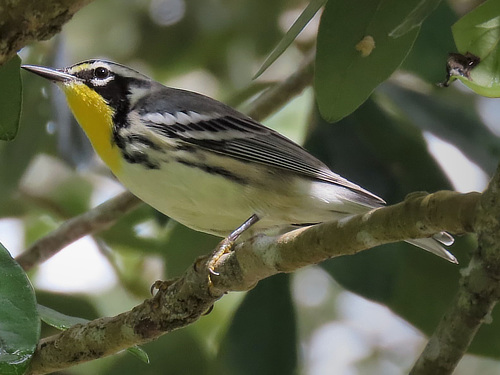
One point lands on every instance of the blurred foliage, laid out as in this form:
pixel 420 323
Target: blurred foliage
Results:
pixel 273 342
pixel 49 173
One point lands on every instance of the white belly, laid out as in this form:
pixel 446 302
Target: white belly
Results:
pixel 210 203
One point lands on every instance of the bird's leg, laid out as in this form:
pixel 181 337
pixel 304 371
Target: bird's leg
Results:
pixel 226 245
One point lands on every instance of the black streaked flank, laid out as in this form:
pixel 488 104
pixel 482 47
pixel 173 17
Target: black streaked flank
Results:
pixel 139 157
pixel 134 139
pixel 136 156
pixel 214 170
pixel 185 147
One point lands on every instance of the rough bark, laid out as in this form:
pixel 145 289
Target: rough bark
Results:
pixel 25 21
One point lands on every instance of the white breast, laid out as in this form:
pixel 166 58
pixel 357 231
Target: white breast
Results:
pixel 213 203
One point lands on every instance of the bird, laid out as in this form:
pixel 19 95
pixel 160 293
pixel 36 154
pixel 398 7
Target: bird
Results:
pixel 203 163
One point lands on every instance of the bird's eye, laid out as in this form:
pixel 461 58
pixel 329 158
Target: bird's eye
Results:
pixel 101 73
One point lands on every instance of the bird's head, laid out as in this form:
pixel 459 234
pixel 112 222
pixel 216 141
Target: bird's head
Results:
pixel 95 82
pixel 99 94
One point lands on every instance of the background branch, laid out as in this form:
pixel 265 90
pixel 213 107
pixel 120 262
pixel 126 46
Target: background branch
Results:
pixel 479 291
pixel 94 220
pixel 279 95
pixel 183 301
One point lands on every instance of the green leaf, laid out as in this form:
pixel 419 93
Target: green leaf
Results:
pixel 415 18
pixel 139 353
pixel 301 22
pixel 58 320
pixel 10 98
pixel 262 336
pixel 19 322
pixel 62 322
pixel 478 32
pixel 356 52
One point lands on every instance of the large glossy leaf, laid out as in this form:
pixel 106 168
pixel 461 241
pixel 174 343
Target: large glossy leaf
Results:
pixel 478 33
pixel 19 321
pixel 360 44
pixel 10 98
pixel 262 336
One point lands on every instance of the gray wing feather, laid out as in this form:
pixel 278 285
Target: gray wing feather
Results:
pixel 240 137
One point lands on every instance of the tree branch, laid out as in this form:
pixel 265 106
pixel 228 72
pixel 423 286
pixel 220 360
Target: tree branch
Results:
pixel 184 300
pixel 479 291
pixel 94 220
pixel 24 21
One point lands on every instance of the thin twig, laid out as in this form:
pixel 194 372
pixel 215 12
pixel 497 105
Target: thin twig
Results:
pixel 277 96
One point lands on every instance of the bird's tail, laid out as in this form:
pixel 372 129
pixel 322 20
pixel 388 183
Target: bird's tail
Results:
pixel 433 245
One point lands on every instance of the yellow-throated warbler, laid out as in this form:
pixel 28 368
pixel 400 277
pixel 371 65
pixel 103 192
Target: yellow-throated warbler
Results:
pixel 203 163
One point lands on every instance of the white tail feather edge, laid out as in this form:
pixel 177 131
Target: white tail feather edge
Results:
pixel 432 245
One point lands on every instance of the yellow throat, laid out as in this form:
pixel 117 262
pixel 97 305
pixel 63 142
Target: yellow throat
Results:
pixel 95 116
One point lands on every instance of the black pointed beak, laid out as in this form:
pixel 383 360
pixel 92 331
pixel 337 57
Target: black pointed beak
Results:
pixel 55 75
